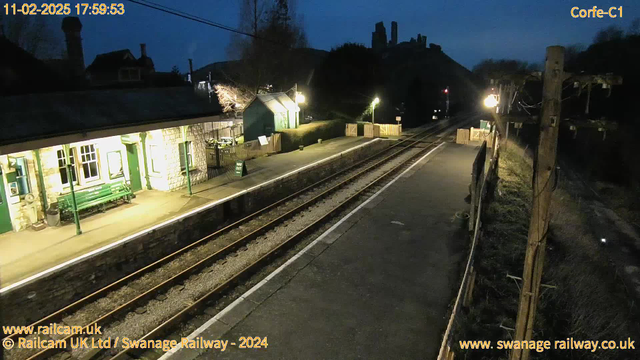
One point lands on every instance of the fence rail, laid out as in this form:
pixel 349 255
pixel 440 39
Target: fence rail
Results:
pixel 479 188
pixel 227 156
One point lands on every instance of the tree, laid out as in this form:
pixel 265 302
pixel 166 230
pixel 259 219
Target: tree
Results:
pixel 571 55
pixel 608 34
pixel 494 69
pixel 634 28
pixel 35 34
pixel 416 113
pixel 268 58
pixel 232 98
pixel 348 79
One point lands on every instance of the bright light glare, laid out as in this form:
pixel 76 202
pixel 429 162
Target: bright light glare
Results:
pixel 375 102
pixel 491 101
pixel 300 99
pixel 603 240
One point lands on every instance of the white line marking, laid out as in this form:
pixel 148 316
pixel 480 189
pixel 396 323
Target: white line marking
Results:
pixel 170 221
pixel 230 307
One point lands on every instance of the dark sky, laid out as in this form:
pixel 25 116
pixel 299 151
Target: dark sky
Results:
pixel 467 30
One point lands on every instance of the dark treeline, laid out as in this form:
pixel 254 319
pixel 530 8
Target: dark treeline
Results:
pixel 610 156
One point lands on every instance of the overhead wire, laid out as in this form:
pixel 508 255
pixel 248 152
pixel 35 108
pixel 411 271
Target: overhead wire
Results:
pixel 201 20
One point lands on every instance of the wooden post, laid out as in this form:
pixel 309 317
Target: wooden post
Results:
pixel 544 172
pixel 506 136
pixel 472 188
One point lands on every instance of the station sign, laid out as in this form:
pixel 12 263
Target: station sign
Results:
pixel 241 168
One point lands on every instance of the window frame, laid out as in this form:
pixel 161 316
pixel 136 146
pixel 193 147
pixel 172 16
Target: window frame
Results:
pixel 24 177
pixel 74 173
pixel 153 153
pixel 93 158
pixel 121 173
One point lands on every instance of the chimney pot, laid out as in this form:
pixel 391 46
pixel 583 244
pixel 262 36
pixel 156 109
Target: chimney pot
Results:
pixel 143 50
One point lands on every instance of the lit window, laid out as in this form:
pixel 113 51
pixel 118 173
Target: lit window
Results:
pixel 89 159
pixel 153 157
pixel 114 160
pixel 62 162
pixel 22 176
pixel 189 155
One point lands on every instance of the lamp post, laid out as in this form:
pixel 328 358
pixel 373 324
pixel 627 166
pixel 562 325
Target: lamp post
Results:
pixel 375 102
pixel 70 173
pixel 446 91
pixel 299 99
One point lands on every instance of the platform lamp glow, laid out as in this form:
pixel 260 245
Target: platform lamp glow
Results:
pixel 491 101
pixel 300 99
pixel 375 102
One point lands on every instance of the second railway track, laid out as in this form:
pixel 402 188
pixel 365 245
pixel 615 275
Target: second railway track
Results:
pixel 143 303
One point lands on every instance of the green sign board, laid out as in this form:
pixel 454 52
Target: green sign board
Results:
pixel 485 125
pixel 241 168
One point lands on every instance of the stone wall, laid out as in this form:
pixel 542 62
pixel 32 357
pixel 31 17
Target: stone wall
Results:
pixel 36 299
pixel 176 177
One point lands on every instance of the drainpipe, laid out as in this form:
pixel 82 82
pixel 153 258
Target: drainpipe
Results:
pixel 43 191
pixel 76 218
pixel 143 139
pixel 186 156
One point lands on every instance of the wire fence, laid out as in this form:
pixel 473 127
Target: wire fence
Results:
pixel 482 181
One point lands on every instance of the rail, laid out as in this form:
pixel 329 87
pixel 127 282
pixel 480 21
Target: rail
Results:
pixel 291 241
pixel 106 318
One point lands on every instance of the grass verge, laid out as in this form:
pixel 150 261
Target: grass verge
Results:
pixel 589 301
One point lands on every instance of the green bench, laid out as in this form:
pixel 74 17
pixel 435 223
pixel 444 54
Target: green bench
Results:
pixel 96 195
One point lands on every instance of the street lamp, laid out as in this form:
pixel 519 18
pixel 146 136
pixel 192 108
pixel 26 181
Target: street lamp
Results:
pixel 446 91
pixel 375 102
pixel 300 99
pixel 491 101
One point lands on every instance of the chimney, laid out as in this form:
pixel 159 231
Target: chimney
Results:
pixel 191 71
pixel 143 50
pixel 72 26
pixel 394 33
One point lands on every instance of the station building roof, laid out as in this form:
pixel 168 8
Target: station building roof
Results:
pixel 38 120
pixel 276 102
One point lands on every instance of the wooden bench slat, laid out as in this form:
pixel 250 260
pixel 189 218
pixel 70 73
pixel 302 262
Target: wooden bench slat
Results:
pixel 94 196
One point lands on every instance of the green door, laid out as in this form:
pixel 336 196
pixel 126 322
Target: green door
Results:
pixel 134 168
pixel 5 217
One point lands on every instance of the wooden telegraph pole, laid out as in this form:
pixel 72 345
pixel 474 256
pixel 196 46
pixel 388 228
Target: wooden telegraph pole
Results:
pixel 543 184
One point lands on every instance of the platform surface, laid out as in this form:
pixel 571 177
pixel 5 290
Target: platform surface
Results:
pixel 378 286
pixel 28 253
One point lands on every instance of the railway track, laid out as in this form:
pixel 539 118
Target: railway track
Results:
pixel 242 239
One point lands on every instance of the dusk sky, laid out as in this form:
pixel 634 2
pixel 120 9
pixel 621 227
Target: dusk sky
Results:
pixel 468 30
